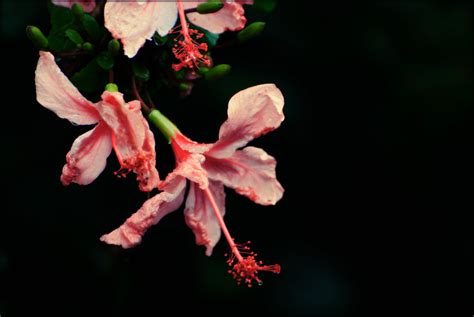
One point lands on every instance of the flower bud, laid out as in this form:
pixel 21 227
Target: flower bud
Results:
pixel 88 48
pixel 114 47
pixel 203 70
pixel 217 72
pixel 37 37
pixel 111 87
pixel 251 31
pixel 209 7
pixel 77 11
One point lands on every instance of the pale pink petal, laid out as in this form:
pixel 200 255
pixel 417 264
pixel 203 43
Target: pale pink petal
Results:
pixel 200 216
pixel 168 14
pixel 55 92
pixel 252 112
pixel 191 168
pixel 134 22
pixel 88 156
pixel 251 172
pixel 153 210
pixel 133 142
pixel 189 145
pixel 88 5
pixel 230 18
pixel 130 233
pixel 148 177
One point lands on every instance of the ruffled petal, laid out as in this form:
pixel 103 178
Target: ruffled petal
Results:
pixel 200 216
pixel 55 92
pixel 133 142
pixel 191 168
pixel 252 112
pixel 251 172
pixel 189 145
pixel 130 233
pixel 88 156
pixel 153 210
pixel 134 22
pixel 230 18
pixel 88 5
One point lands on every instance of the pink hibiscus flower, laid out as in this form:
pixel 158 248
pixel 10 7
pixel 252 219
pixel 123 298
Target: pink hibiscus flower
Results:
pixel 88 5
pixel 134 22
pixel 120 126
pixel 250 171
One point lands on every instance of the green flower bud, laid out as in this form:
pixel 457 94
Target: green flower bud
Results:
pixel 78 11
pixel 184 87
pixel 209 7
pixel 251 31
pixel 217 72
pixel 203 70
pixel 37 37
pixel 88 48
pixel 74 36
pixel 111 87
pixel 114 47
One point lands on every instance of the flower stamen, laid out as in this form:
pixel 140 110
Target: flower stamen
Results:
pixel 243 262
pixel 187 49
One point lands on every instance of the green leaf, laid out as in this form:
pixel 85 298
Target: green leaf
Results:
pixel 265 6
pixel 61 20
pixel 74 36
pixel 92 28
pixel 105 60
pixel 60 43
pixel 91 78
pixel 140 71
pixel 61 17
pixel 160 40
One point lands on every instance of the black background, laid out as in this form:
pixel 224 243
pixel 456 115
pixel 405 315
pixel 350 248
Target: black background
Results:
pixel 374 154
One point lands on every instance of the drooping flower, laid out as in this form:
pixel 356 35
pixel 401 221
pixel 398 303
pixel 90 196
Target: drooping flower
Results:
pixel 208 167
pixel 87 5
pixel 134 22
pixel 119 125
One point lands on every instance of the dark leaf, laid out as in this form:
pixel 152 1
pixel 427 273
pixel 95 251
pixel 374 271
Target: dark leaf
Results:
pixel 105 60
pixel 74 36
pixel 91 78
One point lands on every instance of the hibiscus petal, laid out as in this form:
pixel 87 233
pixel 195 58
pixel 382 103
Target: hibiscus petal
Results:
pixel 251 172
pixel 88 156
pixel 190 168
pixel 200 217
pixel 229 18
pixel 55 92
pixel 189 145
pixel 168 14
pixel 134 22
pixel 133 142
pixel 88 5
pixel 153 210
pixel 252 112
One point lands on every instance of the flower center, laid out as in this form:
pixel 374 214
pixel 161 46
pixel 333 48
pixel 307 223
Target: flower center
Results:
pixel 243 262
pixel 189 52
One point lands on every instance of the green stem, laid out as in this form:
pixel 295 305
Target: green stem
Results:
pixel 166 127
